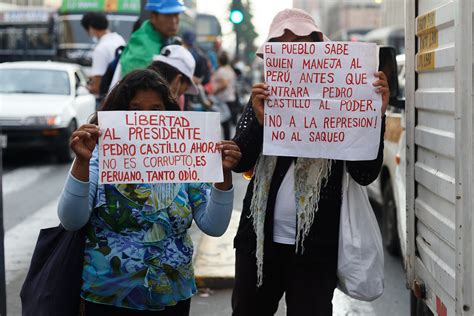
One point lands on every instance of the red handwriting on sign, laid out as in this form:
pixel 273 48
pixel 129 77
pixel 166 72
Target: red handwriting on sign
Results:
pixel 282 63
pixel 110 134
pixel 269 49
pixel 289 92
pixel 337 92
pixel 349 122
pixel 298 48
pixel 133 119
pixel 129 163
pixel 278 135
pixel 289 103
pixel 326 137
pixel 205 147
pixel 278 76
pixel 163 148
pixel 336 49
pixel 273 120
pixel 322 63
pixel 355 63
pixel 356 79
pixel 169 161
pixel 113 176
pixel 163 133
pixel 357 105
pixel 318 77
pixel 119 149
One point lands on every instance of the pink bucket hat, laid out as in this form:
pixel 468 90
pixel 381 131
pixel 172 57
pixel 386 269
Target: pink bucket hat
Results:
pixel 295 20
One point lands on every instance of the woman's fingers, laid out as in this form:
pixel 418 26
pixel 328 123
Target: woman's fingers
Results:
pixel 381 75
pixel 81 134
pixel 230 154
pixel 260 85
pixel 380 83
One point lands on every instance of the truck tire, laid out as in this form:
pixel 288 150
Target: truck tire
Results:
pixel 418 307
pixel 65 153
pixel 389 222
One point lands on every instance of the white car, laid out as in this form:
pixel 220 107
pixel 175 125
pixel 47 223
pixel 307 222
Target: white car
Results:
pixel 41 104
pixel 389 190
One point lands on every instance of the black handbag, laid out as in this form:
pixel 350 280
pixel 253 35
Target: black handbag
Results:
pixel 53 283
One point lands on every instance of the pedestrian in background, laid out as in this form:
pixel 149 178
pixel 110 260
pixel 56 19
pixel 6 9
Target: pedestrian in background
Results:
pixel 202 74
pixel 96 25
pixel 287 239
pixel 160 30
pixel 223 84
pixel 138 253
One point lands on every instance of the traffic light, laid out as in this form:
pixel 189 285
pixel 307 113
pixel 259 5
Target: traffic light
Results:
pixel 236 16
pixel 236 12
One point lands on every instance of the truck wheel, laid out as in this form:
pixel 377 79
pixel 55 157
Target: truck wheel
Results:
pixel 418 307
pixel 389 222
pixel 65 153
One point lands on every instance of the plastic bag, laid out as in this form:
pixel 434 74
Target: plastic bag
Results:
pixel 360 256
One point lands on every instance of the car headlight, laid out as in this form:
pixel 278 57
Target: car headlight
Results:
pixel 49 121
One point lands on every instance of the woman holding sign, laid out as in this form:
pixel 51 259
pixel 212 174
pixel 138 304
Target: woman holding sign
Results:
pixel 138 254
pixel 287 240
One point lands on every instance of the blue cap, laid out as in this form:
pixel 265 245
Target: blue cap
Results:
pixel 189 37
pixel 165 6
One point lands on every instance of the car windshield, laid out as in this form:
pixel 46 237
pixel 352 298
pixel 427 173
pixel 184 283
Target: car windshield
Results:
pixel 36 81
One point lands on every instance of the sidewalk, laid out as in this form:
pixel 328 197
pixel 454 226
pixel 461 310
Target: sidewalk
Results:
pixel 215 258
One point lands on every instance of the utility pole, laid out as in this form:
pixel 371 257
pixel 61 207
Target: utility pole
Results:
pixel 237 17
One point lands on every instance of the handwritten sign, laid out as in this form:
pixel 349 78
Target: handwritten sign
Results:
pixel 322 102
pixel 159 147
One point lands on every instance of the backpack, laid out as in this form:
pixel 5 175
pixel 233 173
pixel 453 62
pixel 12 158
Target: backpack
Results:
pixel 109 73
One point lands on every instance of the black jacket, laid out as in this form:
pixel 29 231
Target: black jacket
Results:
pixel 321 244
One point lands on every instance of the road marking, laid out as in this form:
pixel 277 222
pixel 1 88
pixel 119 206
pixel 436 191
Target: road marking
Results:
pixel 21 178
pixel 20 240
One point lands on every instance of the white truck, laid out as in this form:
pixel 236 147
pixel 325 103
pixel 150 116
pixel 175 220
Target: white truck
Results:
pixel 439 156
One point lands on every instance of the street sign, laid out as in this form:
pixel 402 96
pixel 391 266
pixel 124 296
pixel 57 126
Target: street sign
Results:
pixel 108 6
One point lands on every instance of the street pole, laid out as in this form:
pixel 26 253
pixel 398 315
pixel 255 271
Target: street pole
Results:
pixel 3 293
pixel 237 41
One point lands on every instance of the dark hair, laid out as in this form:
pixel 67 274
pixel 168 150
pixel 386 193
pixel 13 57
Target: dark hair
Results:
pixel 223 59
pixel 168 72
pixel 121 95
pixel 96 20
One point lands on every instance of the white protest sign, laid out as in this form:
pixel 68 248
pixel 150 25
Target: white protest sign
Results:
pixel 322 102
pixel 159 147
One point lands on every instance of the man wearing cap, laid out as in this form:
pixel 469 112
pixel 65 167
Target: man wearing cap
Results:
pixel 148 40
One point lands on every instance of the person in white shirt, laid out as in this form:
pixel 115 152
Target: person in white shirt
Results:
pixel 96 25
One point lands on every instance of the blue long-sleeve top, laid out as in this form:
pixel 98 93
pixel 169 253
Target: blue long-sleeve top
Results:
pixel 138 251
pixel 77 200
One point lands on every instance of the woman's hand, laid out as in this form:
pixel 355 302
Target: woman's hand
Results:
pixel 230 154
pixel 230 158
pixel 83 141
pixel 383 89
pixel 260 93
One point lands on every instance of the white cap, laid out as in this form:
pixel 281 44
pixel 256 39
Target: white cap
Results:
pixel 180 58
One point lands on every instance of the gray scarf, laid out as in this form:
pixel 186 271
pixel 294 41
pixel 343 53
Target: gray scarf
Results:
pixel 310 175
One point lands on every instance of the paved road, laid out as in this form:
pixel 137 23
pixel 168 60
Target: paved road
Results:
pixel 32 183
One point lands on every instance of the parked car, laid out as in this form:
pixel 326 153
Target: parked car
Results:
pixel 389 190
pixel 41 104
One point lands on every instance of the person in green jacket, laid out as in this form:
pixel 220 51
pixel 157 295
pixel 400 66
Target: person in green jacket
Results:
pixel 148 40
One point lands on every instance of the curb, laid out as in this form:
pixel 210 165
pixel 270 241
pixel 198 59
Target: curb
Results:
pixel 215 258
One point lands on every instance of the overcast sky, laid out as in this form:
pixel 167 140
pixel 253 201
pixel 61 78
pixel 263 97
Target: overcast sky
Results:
pixel 263 13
